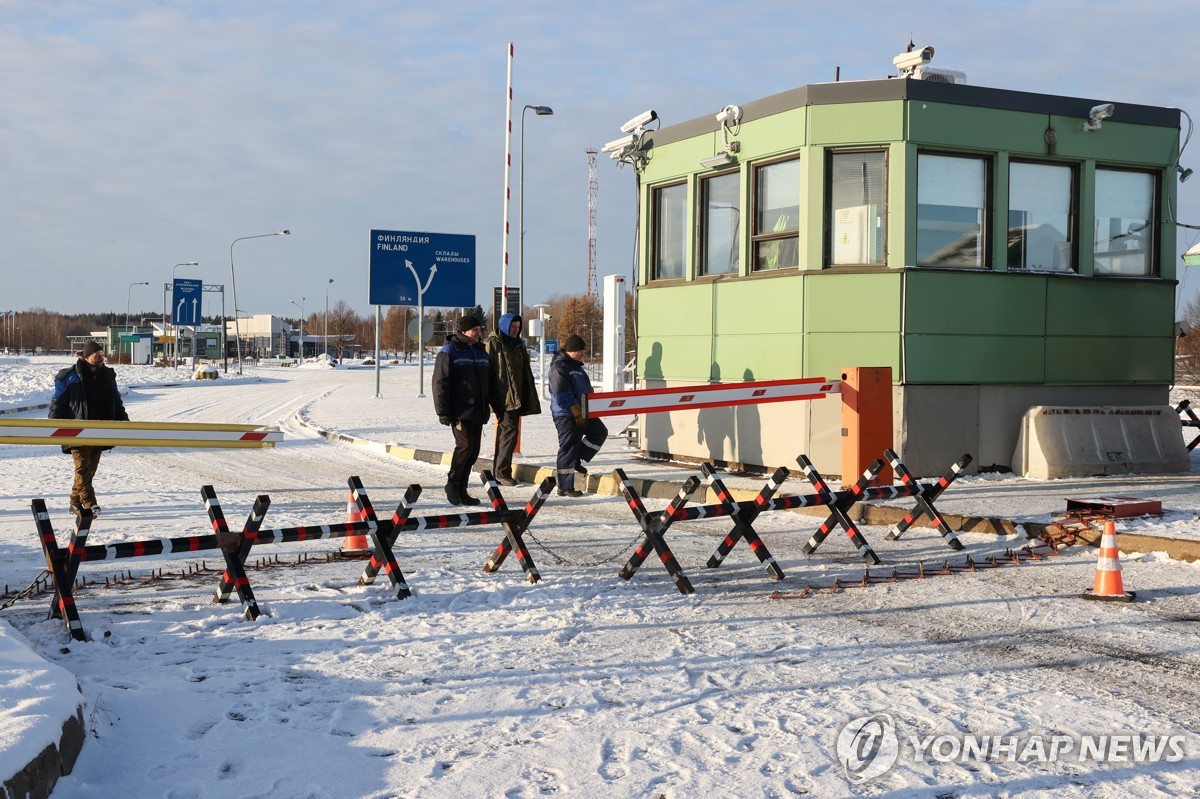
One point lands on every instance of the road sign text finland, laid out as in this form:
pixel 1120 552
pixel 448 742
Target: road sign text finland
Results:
pixel 186 300
pixel 410 268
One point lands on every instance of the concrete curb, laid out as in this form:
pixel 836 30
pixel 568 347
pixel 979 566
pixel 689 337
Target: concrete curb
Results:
pixel 876 515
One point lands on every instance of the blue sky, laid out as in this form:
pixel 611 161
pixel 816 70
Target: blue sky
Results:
pixel 135 136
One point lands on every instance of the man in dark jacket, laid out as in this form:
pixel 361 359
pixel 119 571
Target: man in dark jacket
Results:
pixel 464 388
pixel 87 390
pixel 579 439
pixel 519 392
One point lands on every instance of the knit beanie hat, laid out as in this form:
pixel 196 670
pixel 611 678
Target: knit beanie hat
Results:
pixel 574 343
pixel 468 322
pixel 89 348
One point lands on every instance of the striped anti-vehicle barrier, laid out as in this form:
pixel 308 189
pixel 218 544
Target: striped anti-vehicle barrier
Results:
pixel 840 502
pixel 654 526
pixel 926 493
pixel 679 398
pixel 1192 420
pixel 63 564
pixel 72 433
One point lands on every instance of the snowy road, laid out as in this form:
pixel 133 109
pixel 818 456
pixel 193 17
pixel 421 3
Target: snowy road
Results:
pixel 584 684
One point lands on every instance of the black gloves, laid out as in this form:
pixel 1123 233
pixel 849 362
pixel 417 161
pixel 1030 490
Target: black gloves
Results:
pixel 444 420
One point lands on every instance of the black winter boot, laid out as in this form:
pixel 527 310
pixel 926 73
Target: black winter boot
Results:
pixel 453 494
pixel 466 498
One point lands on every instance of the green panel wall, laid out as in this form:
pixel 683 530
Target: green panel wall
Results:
pixel 944 302
pixel 967 358
pixel 852 124
pixel 1112 307
pixel 853 320
pixel 957 127
pixel 1108 360
pixel 867 302
pixel 827 353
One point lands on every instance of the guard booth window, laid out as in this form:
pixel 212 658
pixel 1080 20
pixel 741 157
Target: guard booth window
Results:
pixel 952 210
pixel 857 212
pixel 1125 222
pixel 1041 217
pixel 776 234
pixel 670 232
pixel 720 220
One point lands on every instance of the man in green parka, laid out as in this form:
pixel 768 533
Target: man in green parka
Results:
pixel 519 391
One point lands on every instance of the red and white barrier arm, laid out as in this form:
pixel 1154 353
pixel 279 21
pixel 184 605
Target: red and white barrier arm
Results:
pixel 71 433
pixel 681 398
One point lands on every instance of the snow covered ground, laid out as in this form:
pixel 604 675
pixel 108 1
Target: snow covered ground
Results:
pixel 482 685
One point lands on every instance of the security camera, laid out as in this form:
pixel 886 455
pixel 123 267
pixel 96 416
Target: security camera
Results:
pixel 641 120
pixel 731 114
pixel 907 62
pixel 617 145
pixel 1097 115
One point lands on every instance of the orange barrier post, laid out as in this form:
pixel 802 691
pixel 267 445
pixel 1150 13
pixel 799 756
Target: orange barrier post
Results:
pixel 866 421
pixel 355 545
pixel 1108 586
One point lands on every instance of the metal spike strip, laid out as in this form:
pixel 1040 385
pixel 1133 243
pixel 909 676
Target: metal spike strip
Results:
pixel 515 524
pixel 925 496
pixel 374 564
pixel 1039 551
pixel 235 572
pixel 743 518
pixel 380 539
pixel 654 529
pixel 63 606
pixel 839 503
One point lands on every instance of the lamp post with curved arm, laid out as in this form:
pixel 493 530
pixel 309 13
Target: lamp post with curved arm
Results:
pixel 539 110
pixel 237 330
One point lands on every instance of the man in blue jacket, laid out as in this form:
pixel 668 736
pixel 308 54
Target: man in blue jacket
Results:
pixel 87 390
pixel 579 439
pixel 464 388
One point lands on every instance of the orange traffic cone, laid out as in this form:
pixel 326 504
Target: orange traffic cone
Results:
pixel 1109 586
pixel 355 545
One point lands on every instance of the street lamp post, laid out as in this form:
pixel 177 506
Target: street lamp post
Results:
pixel 237 330
pixel 128 297
pixel 300 305
pixel 327 285
pixel 539 110
pixel 175 349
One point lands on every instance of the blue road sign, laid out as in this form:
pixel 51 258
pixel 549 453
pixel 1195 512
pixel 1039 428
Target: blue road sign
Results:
pixel 186 301
pixel 551 346
pixel 410 267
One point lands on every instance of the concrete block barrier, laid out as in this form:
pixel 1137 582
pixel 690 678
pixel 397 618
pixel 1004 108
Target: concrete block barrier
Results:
pixel 1060 441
